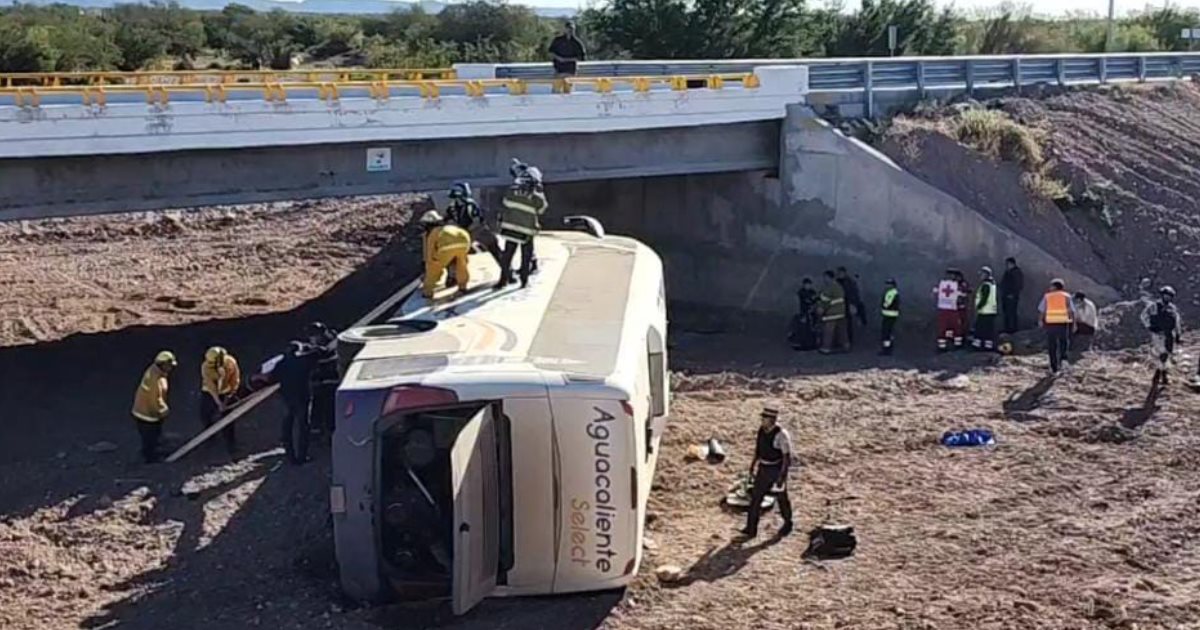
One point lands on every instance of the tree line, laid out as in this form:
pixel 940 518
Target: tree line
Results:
pixel 163 35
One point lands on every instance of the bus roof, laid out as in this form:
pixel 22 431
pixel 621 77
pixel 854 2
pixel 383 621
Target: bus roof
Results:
pixel 573 318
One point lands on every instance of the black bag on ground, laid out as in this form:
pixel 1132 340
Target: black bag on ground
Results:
pixel 831 541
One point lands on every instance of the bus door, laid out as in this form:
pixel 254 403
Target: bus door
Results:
pixel 476 481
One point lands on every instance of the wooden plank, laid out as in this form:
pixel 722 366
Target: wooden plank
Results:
pixel 255 399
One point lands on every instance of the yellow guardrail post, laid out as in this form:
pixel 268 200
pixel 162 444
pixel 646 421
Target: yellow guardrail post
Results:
pixel 751 81
pixel 679 83
pixel 429 89
pixel 475 89
pixel 715 82
pixel 517 87
pixel 604 85
pixel 641 84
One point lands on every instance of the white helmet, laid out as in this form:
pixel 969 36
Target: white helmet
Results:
pixel 431 217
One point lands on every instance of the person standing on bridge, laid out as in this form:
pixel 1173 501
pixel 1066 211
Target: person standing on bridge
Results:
pixel 1057 314
pixel 444 245
pixel 986 308
pixel 220 380
pixel 566 51
pixel 1011 286
pixel 150 407
pixel 524 204
pixel 946 293
pixel 889 314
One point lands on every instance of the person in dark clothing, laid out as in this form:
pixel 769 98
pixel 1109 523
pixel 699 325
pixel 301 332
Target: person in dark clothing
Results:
pixel 804 334
pixel 466 213
pixel 854 303
pixel 889 314
pixel 294 373
pixel 567 50
pixel 325 378
pixel 1011 285
pixel 770 466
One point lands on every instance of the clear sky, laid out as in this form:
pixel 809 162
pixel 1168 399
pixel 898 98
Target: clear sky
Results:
pixel 1041 7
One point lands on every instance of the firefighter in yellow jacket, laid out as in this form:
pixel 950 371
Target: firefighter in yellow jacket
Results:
pixel 150 407
pixel 220 380
pixel 444 245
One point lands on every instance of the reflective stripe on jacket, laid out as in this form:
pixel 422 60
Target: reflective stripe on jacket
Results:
pixel 891 303
pixel 1058 308
pixel 150 401
pixel 220 380
pixel 985 299
pixel 833 302
pixel 519 222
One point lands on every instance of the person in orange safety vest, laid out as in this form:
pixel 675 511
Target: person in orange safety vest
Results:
pixel 1057 318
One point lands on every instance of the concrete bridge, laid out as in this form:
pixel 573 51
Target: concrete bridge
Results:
pixel 733 177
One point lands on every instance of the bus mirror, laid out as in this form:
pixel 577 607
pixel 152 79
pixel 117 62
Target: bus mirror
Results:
pixel 585 223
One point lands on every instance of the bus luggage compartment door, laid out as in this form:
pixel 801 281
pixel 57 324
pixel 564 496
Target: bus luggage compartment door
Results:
pixel 476 478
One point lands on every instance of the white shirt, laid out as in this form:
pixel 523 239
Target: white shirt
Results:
pixel 947 295
pixel 1085 313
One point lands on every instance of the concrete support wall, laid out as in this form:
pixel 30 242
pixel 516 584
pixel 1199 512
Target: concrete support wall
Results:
pixel 742 241
pixel 42 187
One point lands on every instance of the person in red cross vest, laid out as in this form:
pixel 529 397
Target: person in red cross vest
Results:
pixel 947 294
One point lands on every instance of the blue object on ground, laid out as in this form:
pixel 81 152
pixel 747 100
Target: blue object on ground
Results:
pixel 972 437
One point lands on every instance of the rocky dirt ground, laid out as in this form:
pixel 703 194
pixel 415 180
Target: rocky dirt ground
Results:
pixel 1129 157
pixel 103 273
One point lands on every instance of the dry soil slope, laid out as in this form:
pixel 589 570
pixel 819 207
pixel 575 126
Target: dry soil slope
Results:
pixel 1134 149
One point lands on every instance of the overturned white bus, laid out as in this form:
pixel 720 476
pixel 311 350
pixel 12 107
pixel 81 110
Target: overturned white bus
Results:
pixel 503 442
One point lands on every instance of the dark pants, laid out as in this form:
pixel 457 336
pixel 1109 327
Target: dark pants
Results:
pixel 1058 341
pixel 1009 305
pixel 294 434
pixel 210 413
pixel 150 432
pixel 985 332
pixel 323 400
pixel 510 250
pixel 887 334
pixel 764 478
pixel 849 329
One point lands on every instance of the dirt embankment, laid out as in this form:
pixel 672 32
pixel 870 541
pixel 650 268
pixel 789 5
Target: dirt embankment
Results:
pixel 102 273
pixel 1118 194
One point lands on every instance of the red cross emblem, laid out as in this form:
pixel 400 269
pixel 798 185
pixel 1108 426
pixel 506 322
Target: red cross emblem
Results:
pixel 947 291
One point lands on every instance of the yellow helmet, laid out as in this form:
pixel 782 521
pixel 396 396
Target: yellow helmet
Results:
pixel 214 355
pixel 166 357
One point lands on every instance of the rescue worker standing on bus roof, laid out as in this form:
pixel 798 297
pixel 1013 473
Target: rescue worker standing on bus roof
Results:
pixel 444 245
pixel 325 377
pixel 466 213
pixel 1057 317
pixel 986 309
pixel 524 202
pixel 889 313
pixel 769 468
pixel 150 407
pixel 1162 319
pixel 946 293
pixel 220 380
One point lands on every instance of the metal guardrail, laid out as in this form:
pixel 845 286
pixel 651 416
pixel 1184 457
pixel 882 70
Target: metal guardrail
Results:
pixel 332 91
pixel 190 77
pixel 917 74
